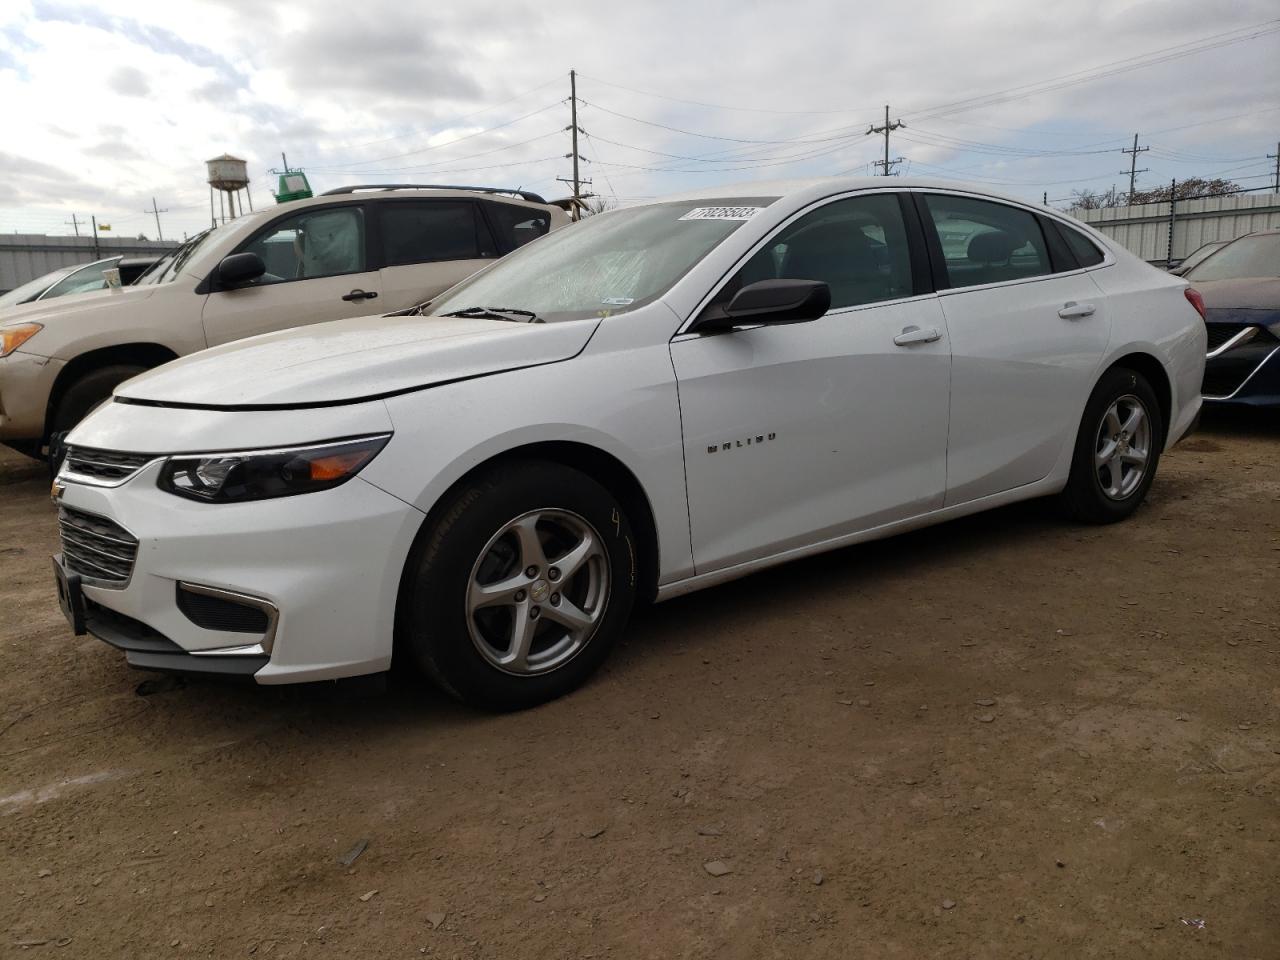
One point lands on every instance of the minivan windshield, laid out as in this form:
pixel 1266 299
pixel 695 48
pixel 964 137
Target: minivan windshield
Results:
pixel 608 264
pixel 1252 256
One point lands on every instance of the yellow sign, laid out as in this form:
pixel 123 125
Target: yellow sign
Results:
pixel 104 226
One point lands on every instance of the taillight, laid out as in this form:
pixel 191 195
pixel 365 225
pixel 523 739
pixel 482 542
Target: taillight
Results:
pixel 1194 298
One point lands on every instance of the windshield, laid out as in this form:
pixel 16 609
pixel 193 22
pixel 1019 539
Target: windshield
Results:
pixel 32 288
pixel 608 264
pixel 87 278
pixel 1255 256
pixel 170 265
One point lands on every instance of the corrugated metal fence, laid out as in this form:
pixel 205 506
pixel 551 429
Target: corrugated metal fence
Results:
pixel 25 256
pixel 1156 233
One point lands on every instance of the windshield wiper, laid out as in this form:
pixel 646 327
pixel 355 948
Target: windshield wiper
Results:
pixel 497 313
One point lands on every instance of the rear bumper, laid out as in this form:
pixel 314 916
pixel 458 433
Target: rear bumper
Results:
pixel 25 383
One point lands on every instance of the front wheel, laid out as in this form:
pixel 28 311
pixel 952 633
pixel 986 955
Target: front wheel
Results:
pixel 521 588
pixel 1117 449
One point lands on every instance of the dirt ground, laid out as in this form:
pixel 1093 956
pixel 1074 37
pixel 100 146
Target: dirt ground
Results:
pixel 1008 736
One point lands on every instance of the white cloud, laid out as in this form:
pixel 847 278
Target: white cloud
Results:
pixel 396 91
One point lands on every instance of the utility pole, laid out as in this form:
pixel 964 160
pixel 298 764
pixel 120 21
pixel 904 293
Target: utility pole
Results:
pixel 157 212
pixel 1133 165
pixel 96 252
pixel 74 223
pixel 577 182
pixel 886 164
pixel 1276 157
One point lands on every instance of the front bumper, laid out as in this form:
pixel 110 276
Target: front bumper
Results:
pixel 25 384
pixel 328 563
pixel 1243 363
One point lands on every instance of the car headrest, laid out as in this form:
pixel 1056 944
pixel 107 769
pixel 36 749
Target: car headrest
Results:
pixel 995 246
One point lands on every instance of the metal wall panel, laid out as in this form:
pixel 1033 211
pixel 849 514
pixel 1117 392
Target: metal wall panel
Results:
pixel 25 256
pixel 1144 229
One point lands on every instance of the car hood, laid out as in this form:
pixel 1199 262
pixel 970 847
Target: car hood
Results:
pixel 1248 293
pixel 361 358
pixel 73 305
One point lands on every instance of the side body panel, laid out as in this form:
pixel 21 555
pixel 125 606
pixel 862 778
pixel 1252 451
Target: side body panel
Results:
pixel 802 432
pixel 618 395
pixel 1020 377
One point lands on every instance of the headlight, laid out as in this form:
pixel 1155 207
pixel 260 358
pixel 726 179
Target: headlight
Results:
pixel 262 474
pixel 11 338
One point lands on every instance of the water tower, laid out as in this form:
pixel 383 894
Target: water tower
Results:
pixel 228 175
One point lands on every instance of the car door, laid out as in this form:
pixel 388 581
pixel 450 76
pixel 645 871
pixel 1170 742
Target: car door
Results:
pixel 317 269
pixel 426 246
pixel 802 433
pixel 1028 330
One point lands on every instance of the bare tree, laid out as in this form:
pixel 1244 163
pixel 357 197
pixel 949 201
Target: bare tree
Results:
pixel 597 204
pixel 1189 189
pixel 1094 200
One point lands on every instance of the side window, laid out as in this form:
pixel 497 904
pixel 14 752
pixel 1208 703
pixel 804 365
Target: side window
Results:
pixel 858 247
pixel 426 231
pixel 987 242
pixel 320 243
pixel 1086 251
pixel 518 225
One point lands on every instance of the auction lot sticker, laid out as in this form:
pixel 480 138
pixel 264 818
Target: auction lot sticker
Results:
pixel 722 213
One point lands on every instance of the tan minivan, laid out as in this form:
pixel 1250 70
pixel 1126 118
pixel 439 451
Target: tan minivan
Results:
pixel 350 252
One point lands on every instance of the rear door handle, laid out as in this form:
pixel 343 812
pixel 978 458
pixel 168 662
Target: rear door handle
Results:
pixel 358 295
pixel 1076 311
pixel 910 335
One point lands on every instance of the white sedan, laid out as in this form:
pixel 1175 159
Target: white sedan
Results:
pixel 659 399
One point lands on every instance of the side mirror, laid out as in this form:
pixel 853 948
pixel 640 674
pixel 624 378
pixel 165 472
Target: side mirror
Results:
pixel 239 269
pixel 770 302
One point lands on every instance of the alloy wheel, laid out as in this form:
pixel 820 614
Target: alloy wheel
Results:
pixel 1123 447
pixel 537 592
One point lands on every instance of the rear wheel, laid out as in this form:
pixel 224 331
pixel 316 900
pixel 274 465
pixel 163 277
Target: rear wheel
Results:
pixel 521 588
pixel 1117 449
pixel 79 400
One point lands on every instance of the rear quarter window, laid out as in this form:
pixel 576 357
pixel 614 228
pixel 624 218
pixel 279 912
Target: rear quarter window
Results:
pixel 518 225
pixel 1086 251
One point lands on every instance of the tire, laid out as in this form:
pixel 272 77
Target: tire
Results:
pixel 1095 493
pixel 79 401
pixel 28 448
pixel 481 543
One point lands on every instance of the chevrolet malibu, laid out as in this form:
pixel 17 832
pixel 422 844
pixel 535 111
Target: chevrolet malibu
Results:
pixel 657 400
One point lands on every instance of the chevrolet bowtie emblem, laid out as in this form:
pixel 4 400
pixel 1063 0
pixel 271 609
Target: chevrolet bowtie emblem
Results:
pixel 56 491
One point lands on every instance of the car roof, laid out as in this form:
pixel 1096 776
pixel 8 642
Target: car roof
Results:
pixel 816 188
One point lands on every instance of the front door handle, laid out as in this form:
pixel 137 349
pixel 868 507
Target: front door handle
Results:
pixel 358 295
pixel 1076 311
pixel 910 335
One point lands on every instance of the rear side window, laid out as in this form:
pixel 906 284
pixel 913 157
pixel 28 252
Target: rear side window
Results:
pixel 987 242
pixel 1086 251
pixel 518 225
pixel 414 232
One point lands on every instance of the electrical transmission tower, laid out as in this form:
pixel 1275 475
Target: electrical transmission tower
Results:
pixel 1133 165
pixel 886 165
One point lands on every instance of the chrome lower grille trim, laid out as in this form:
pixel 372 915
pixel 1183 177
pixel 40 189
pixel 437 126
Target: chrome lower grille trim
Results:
pixel 100 550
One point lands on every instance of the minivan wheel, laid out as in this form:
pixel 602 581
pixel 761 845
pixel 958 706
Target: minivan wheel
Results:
pixel 520 589
pixel 79 400
pixel 1117 449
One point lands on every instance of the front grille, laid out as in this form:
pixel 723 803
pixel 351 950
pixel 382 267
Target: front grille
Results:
pixel 220 613
pixel 105 464
pixel 1220 333
pixel 95 547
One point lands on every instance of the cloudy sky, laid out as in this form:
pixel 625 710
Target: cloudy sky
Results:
pixel 109 104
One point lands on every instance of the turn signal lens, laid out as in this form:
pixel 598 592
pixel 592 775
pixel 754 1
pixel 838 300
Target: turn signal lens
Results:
pixel 1194 298
pixel 11 338
pixel 264 474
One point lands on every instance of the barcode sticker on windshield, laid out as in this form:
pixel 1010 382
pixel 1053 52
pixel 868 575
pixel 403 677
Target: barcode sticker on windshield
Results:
pixel 618 301
pixel 722 213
